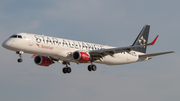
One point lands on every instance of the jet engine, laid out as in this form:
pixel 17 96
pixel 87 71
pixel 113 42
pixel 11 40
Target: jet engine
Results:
pixel 43 60
pixel 81 57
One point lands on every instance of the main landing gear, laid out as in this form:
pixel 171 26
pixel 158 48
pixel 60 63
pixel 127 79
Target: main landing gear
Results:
pixel 20 55
pixel 66 69
pixel 92 67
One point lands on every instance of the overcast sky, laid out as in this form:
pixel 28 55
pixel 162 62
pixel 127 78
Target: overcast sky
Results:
pixel 109 22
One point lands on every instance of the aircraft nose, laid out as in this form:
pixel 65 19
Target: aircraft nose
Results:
pixel 6 44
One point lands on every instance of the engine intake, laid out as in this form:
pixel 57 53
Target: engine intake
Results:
pixel 43 60
pixel 82 57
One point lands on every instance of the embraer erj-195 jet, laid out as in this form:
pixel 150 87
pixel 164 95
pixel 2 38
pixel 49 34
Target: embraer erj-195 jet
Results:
pixel 47 49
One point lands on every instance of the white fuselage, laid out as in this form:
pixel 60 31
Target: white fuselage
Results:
pixel 61 49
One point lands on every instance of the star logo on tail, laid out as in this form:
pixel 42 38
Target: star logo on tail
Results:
pixel 142 41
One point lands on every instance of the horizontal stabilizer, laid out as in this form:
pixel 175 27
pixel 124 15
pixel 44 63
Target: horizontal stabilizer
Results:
pixel 155 54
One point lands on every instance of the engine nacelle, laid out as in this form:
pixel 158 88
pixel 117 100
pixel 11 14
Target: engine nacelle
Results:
pixel 82 57
pixel 43 60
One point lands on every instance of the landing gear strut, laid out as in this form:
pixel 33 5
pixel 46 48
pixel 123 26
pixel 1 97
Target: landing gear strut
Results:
pixel 92 67
pixel 66 69
pixel 20 55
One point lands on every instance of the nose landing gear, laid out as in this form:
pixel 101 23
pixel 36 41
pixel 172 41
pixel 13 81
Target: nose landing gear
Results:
pixel 20 55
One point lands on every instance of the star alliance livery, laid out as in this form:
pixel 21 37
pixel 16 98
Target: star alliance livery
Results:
pixel 47 50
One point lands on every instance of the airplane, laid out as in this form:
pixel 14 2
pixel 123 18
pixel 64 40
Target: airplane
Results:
pixel 47 50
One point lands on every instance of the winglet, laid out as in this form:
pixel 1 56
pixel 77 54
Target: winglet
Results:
pixel 153 42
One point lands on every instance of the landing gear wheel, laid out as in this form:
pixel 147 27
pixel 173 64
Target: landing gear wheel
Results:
pixel 66 70
pixel 92 67
pixel 20 60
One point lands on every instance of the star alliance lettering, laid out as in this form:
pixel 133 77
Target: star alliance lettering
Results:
pixel 67 43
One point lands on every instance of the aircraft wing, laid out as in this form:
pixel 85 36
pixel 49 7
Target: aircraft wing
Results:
pixel 112 51
pixel 155 54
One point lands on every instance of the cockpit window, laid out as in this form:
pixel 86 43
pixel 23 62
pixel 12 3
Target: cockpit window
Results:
pixel 13 36
pixel 16 36
pixel 19 36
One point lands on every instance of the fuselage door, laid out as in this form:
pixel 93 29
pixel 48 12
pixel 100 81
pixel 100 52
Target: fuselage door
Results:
pixel 30 37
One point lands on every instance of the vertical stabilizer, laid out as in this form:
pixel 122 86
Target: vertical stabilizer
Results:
pixel 142 39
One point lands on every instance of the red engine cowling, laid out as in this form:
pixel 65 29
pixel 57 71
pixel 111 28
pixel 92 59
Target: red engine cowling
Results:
pixel 82 57
pixel 42 60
